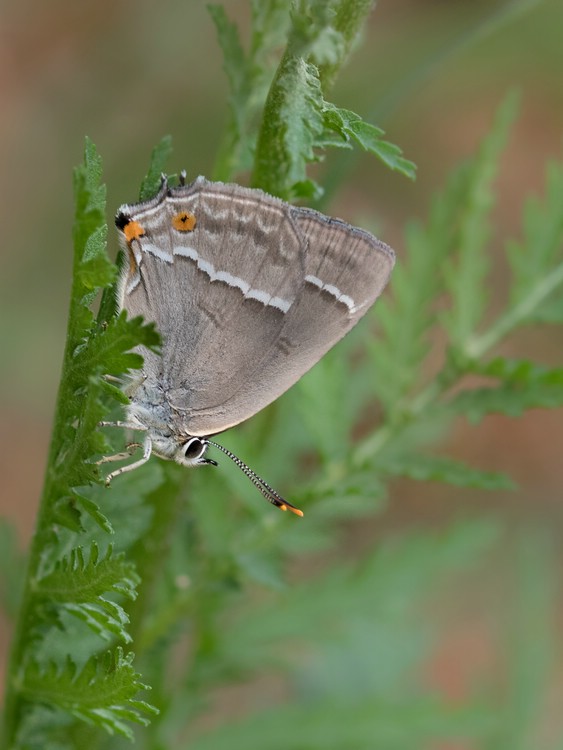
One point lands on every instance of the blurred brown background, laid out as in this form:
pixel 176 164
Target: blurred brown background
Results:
pixel 127 72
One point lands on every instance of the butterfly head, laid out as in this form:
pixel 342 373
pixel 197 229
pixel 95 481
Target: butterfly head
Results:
pixel 192 453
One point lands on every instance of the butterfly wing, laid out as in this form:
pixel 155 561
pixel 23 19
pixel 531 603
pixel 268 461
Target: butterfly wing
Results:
pixel 247 299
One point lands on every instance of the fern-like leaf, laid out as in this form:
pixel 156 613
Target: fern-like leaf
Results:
pixel 352 129
pixel 103 693
pixel 80 587
pixel 157 165
pixel 466 272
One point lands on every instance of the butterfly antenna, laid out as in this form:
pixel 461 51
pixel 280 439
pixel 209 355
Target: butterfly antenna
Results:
pixel 263 487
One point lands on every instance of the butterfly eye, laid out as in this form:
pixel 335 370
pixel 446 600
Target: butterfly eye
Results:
pixel 184 221
pixel 194 449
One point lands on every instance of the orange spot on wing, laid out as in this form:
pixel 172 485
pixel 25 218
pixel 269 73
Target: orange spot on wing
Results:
pixel 184 221
pixel 133 230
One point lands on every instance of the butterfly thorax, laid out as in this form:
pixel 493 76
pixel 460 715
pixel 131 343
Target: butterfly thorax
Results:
pixel 151 409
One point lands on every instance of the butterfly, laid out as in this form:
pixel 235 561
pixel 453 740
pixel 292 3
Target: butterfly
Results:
pixel 248 292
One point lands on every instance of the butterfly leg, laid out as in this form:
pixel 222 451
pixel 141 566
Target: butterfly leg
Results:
pixel 127 453
pixel 147 450
pixel 124 425
pixel 113 379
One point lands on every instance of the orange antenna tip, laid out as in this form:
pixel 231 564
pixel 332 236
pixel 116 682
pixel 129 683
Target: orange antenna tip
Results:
pixel 292 508
pixel 295 510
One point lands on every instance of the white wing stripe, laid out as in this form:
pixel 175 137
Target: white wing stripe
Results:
pixel 233 281
pixel 335 291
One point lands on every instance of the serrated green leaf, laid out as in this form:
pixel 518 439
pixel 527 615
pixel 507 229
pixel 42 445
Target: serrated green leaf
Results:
pixel 537 280
pixel 465 273
pixel 65 513
pixel 92 268
pixel 80 587
pixel 351 127
pixel 114 392
pixel 109 350
pixel 104 618
pixel 159 159
pixel 93 510
pixel 96 269
pixel 94 348
pixel 102 693
pixel 406 314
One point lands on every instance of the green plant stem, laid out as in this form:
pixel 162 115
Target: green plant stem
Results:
pixel 270 168
pixel 43 530
pixel 349 20
pixel 273 170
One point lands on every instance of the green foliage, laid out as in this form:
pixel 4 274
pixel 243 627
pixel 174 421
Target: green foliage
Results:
pixel 60 580
pixel 465 273
pixel 80 587
pixel 343 643
pixel 199 581
pixel 351 128
pixel 518 385
pixel 249 75
pixel 449 259
pixel 101 693
pixel 298 123
pixel 159 159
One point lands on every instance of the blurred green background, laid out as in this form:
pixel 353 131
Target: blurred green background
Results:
pixel 125 73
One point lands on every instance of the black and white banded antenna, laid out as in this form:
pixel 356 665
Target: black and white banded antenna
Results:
pixel 263 487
